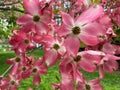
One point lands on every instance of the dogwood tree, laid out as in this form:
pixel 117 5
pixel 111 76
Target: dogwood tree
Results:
pixel 62 26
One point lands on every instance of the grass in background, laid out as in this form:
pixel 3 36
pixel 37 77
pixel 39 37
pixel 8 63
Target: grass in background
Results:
pixel 110 82
pixel 3 57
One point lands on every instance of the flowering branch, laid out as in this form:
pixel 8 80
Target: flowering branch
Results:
pixel 62 27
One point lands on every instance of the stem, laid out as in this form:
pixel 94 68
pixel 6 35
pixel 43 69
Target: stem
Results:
pixel 6 72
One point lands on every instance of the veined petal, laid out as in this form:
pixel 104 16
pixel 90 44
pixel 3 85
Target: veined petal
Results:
pixel 109 48
pixel 36 79
pixel 110 66
pixel 66 77
pixel 67 19
pixel 87 66
pixel 89 39
pixel 14 69
pixel 90 15
pixel 31 6
pixel 94 29
pixel 63 30
pixel 98 53
pixel 72 45
pixel 62 50
pixel 101 72
pixel 24 19
pixel 50 57
pixel 42 28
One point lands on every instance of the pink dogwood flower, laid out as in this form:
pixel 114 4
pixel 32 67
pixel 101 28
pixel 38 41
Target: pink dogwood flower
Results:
pixel 108 64
pixel 34 18
pixel 21 41
pixel 16 62
pixel 82 29
pixel 90 85
pixel 86 60
pixel 10 83
pixel 3 83
pixel 38 68
pixel 54 48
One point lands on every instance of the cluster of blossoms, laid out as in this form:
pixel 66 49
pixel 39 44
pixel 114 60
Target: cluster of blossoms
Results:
pixel 62 27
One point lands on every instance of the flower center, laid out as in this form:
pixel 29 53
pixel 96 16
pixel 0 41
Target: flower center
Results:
pixel 17 59
pixel 26 41
pixel 36 18
pixel 87 87
pixel 23 68
pixel 102 37
pixel 12 82
pixel 78 58
pixel 34 70
pixel 56 46
pixel 76 30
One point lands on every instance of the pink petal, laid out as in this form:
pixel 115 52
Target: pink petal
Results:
pixel 108 48
pixel 27 29
pixel 36 79
pixel 78 76
pixel 31 6
pixel 72 45
pixel 67 19
pixel 89 39
pixel 30 88
pixel 62 50
pixel 14 69
pixel 50 57
pixel 94 29
pixel 90 15
pixel 87 66
pixel 26 74
pixel 63 30
pixel 42 28
pixel 95 81
pixel 110 66
pixel 9 61
pixel 38 62
pixel 101 72
pixel 24 19
pixel 66 78
pixel 46 40
pixel 13 88
pixel 95 53
pixel 43 69
pixel 97 87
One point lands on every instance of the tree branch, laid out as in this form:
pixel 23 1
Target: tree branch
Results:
pixel 15 9
pixel 5 72
pixel 12 3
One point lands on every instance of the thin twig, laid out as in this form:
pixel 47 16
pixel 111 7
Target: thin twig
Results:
pixel 6 4
pixel 15 9
pixel 6 72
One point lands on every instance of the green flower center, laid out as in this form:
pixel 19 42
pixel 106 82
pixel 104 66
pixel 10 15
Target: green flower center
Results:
pixel 78 58
pixel 101 37
pixel 17 59
pixel 26 41
pixel 76 30
pixel 36 18
pixel 12 82
pixel 56 46
pixel 34 70
pixel 23 68
pixel 87 87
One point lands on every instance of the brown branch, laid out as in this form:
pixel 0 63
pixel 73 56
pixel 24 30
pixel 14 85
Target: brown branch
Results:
pixel 5 4
pixel 15 9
